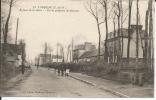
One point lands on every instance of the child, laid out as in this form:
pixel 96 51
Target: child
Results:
pixel 67 72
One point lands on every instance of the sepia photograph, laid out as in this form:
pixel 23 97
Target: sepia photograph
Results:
pixel 77 48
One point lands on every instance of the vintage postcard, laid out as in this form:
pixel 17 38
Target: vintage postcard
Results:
pixel 77 48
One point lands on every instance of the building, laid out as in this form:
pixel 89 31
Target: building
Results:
pixel 117 50
pixel 90 56
pixel 45 59
pixel 13 54
pixel 80 49
pixel 57 58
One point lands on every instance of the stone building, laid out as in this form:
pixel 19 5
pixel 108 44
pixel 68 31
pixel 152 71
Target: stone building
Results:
pixel 79 50
pixel 118 49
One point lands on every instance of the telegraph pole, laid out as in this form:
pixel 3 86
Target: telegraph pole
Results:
pixel 17 31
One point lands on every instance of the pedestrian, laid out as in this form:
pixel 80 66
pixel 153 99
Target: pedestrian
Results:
pixel 62 70
pixel 55 69
pixel 58 71
pixel 67 72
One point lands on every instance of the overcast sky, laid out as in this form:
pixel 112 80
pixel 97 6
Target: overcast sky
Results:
pixel 37 27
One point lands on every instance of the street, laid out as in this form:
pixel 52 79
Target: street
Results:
pixel 44 82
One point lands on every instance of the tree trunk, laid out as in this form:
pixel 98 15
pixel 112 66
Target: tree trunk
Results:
pixel 137 36
pixel 114 47
pixel 150 33
pixel 146 39
pixel 23 57
pixel 121 28
pixel 6 29
pixel 16 31
pixel 99 46
pixel 129 30
pixel 7 23
pixel 106 24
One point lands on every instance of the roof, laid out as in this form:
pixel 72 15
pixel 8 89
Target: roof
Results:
pixel 92 53
pixel 43 55
pixel 125 33
pixel 80 47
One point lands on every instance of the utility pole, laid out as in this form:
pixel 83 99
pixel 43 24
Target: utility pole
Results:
pixel 17 31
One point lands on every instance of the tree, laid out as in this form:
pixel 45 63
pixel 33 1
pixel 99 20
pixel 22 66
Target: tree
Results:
pixel 22 44
pixel 137 35
pixel 68 52
pixel 114 33
pixel 93 10
pixel 62 53
pixel 117 12
pixel 124 16
pixel 148 35
pixel 45 52
pixel 129 28
pixel 6 23
pixel 104 4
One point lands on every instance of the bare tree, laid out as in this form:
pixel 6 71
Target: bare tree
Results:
pixel 129 28
pixel 114 33
pixel 6 23
pixel 92 8
pixel 22 44
pixel 62 53
pixel 124 16
pixel 137 35
pixel 149 35
pixel 117 12
pixel 17 31
pixel 120 15
pixel 68 52
pixel 45 52
pixel 104 4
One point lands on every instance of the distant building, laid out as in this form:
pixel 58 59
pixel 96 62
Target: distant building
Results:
pixel 45 59
pixel 79 50
pixel 57 58
pixel 90 56
pixel 114 44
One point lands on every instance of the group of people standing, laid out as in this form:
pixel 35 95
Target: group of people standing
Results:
pixel 62 70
